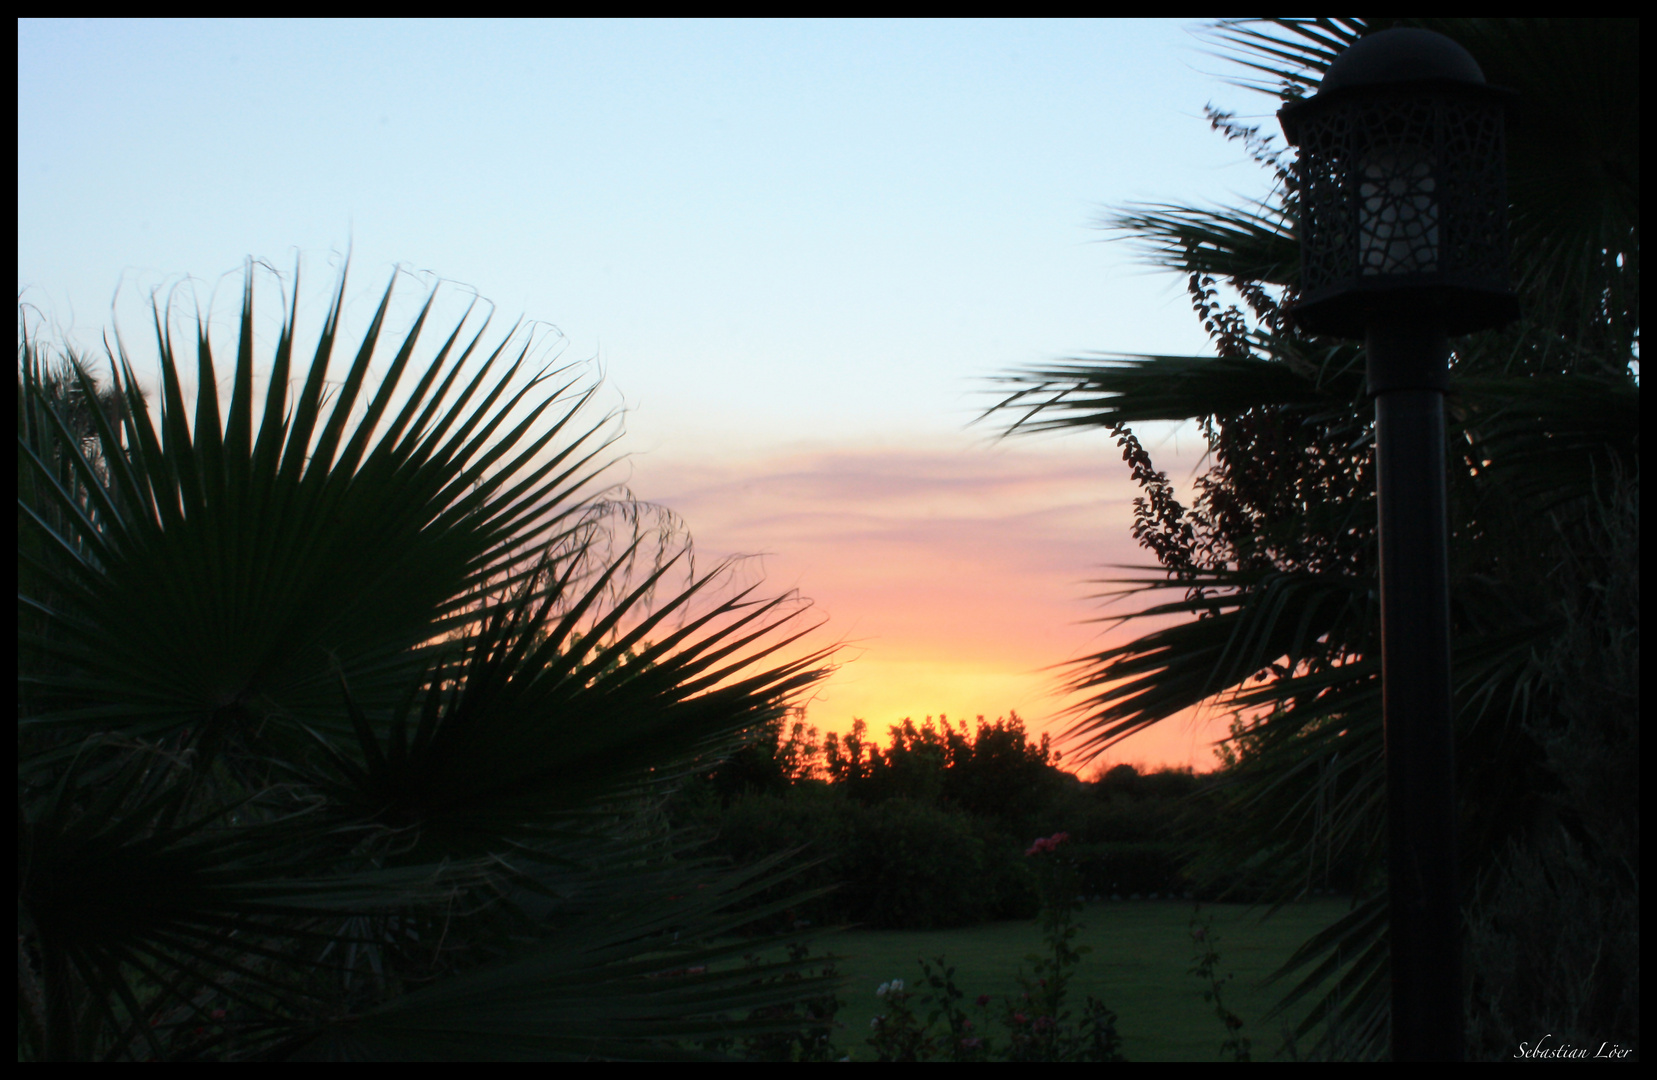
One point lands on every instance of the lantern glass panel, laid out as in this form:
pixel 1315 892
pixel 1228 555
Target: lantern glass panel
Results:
pixel 1397 213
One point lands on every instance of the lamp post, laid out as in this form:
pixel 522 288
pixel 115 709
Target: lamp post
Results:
pixel 1403 228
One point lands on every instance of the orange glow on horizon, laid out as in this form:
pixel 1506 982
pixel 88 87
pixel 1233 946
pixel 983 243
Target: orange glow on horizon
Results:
pixel 957 578
pixel 884 693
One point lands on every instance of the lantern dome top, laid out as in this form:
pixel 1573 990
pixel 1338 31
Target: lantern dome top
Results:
pixel 1404 54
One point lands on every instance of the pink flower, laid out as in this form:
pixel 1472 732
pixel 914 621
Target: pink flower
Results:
pixel 1047 843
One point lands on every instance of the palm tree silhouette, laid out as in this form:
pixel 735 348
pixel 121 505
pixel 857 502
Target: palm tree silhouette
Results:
pixel 1274 564
pixel 342 724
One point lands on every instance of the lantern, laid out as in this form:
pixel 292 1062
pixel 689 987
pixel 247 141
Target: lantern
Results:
pixel 1402 189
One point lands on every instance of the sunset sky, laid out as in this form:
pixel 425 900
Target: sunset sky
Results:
pixel 800 252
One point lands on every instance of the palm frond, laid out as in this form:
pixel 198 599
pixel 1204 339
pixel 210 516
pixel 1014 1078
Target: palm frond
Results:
pixel 1240 624
pixel 219 593
pixel 113 885
pixel 1543 422
pixel 536 723
pixel 1294 53
pixel 634 965
pixel 1254 244
pixel 1549 439
pixel 1130 389
pixel 1573 169
pixel 378 682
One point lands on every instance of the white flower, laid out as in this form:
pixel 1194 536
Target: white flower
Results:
pixel 881 992
pixel 897 986
pixel 875 1023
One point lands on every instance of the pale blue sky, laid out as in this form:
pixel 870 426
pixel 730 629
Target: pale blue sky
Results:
pixel 764 230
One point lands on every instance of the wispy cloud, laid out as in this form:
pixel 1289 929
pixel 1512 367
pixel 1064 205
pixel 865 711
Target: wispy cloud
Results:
pixel 961 574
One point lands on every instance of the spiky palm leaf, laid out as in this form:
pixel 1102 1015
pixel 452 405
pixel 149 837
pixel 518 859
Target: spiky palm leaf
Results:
pixel 1254 244
pixel 378 680
pixel 1543 418
pixel 1131 389
pixel 295 547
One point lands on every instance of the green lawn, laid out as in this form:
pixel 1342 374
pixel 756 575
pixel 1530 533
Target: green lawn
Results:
pixel 1141 954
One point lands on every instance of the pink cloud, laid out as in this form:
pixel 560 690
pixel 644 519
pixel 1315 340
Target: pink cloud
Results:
pixel 960 575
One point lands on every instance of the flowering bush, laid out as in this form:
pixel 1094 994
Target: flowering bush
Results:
pixel 900 1035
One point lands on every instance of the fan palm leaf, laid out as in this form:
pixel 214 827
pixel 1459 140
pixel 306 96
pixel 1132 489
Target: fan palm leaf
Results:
pixel 289 555
pixel 1132 389
pixel 1255 244
pixel 1238 624
pixel 384 678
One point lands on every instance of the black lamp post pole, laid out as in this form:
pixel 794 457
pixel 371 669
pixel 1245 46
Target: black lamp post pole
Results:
pixel 1407 363
pixel 1403 228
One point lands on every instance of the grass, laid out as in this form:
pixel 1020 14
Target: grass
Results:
pixel 1142 953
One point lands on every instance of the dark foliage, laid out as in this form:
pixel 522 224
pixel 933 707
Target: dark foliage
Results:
pixel 930 830
pixel 1275 558
pixel 1038 1023
pixel 341 729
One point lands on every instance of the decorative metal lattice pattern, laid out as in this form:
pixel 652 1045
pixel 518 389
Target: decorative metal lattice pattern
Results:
pixel 1397 212
pixel 1400 191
